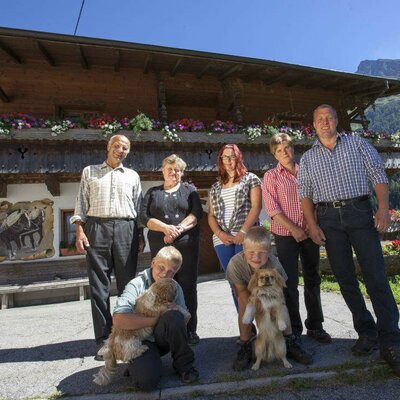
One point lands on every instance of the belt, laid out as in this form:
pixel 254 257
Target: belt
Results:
pixel 343 203
pixel 105 219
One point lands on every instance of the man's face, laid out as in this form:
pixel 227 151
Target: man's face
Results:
pixel 162 269
pixel 325 123
pixel 256 255
pixel 117 150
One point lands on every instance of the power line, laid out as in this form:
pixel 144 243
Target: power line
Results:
pixel 79 17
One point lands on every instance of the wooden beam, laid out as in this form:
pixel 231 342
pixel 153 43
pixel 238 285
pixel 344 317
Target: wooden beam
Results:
pixel 83 59
pixel 3 96
pixel 276 78
pixel 177 65
pixel 230 71
pixel 147 63
pixel 3 189
pixel 47 56
pixel 52 183
pixel 296 80
pixel 117 63
pixel 207 67
pixel 16 58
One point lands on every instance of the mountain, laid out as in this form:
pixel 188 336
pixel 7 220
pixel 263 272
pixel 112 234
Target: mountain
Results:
pixel 387 68
pixel 385 115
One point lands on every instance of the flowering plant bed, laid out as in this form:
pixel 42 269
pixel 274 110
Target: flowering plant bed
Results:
pixel 140 123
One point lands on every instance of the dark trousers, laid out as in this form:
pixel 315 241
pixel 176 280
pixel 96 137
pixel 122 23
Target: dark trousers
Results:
pixel 187 274
pixel 350 227
pixel 113 247
pixel 170 336
pixel 288 251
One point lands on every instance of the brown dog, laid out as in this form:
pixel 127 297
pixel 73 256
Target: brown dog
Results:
pixel 124 344
pixel 267 305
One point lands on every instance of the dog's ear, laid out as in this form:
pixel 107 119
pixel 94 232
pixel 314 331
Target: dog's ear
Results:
pixel 253 281
pixel 279 279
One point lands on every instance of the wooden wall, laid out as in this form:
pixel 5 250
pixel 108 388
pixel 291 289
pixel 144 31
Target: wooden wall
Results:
pixel 38 89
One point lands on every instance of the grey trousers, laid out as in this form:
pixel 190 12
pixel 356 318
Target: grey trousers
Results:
pixel 113 248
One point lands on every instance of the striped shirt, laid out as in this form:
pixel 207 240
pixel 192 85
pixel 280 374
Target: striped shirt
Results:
pixel 228 197
pixel 242 202
pixel 105 192
pixel 342 173
pixel 280 195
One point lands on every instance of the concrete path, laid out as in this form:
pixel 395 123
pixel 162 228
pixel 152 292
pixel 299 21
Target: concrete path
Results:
pixel 48 350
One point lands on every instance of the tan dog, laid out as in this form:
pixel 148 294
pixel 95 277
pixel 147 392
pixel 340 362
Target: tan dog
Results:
pixel 267 304
pixel 124 344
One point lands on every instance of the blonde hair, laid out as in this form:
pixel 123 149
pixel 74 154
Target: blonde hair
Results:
pixel 174 159
pixel 257 235
pixel 278 139
pixel 170 253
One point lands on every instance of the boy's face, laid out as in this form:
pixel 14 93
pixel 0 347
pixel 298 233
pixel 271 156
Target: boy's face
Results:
pixel 256 255
pixel 162 269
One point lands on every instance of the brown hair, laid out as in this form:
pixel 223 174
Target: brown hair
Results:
pixel 240 170
pixel 325 106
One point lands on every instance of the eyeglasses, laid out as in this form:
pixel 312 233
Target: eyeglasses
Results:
pixel 228 158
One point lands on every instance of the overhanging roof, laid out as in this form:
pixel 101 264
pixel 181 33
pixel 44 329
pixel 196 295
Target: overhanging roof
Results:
pixel 23 47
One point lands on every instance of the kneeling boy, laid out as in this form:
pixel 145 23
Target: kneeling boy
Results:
pixel 170 333
pixel 256 254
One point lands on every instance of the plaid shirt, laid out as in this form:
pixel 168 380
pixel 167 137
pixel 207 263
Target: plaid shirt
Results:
pixel 105 192
pixel 342 173
pixel 242 202
pixel 280 195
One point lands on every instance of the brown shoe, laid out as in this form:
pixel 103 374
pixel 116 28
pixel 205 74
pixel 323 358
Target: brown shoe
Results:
pixel 365 345
pixel 391 354
pixel 320 335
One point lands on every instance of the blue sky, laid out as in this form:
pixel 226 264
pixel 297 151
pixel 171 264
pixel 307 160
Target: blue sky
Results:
pixel 331 34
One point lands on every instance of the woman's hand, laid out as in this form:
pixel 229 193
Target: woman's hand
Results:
pixel 226 238
pixel 171 232
pixel 238 239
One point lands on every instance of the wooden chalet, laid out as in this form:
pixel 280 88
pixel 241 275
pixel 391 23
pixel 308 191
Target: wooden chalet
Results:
pixel 69 77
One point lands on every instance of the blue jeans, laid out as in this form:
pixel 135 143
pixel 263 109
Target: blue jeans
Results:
pixel 288 251
pixel 224 254
pixel 348 227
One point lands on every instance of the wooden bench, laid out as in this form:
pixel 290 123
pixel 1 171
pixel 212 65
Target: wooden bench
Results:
pixel 40 276
pixel 8 291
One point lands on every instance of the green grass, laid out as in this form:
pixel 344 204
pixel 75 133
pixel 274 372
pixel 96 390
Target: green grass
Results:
pixel 329 284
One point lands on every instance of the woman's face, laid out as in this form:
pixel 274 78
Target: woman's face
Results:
pixel 172 174
pixel 228 160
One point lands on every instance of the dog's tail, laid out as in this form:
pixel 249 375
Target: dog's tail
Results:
pixel 106 373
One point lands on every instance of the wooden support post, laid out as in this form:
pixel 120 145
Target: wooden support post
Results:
pixel 52 183
pixel 3 189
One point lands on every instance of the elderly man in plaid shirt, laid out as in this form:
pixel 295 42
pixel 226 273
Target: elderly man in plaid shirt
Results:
pixel 335 177
pixel 105 217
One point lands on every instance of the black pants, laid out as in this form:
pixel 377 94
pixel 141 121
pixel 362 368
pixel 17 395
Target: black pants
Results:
pixel 113 247
pixel 288 251
pixel 187 275
pixel 170 336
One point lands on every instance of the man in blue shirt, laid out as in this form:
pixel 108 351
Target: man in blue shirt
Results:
pixel 170 334
pixel 334 179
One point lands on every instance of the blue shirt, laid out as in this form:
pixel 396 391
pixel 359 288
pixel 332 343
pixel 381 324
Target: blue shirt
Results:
pixel 342 173
pixel 137 286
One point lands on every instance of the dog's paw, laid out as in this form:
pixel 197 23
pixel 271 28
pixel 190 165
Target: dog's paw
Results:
pixel 282 326
pixel 249 313
pixel 286 363
pixel 256 366
pixel 101 379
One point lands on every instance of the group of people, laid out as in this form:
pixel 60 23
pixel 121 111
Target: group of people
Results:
pixel 322 201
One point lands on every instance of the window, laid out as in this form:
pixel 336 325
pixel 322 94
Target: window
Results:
pixel 67 229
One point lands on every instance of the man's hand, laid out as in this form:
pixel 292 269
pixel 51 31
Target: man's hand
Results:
pixel 382 220
pixel 298 234
pixel 81 241
pixel 317 235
